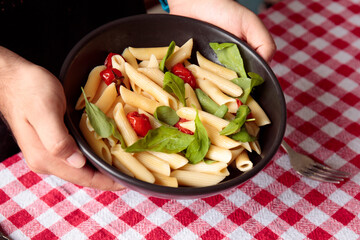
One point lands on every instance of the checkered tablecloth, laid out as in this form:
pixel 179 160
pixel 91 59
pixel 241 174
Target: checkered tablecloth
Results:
pixel 318 66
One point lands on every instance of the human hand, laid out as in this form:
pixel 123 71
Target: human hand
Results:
pixel 231 16
pixel 33 103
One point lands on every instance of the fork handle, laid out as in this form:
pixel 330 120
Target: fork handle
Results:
pixel 286 147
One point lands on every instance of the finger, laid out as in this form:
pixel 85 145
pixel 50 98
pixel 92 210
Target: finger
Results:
pixel 55 137
pixel 41 161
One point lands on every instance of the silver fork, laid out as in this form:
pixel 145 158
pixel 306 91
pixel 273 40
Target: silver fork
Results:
pixel 307 167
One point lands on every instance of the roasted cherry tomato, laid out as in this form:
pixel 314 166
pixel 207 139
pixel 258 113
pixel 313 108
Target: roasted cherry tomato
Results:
pixel 108 62
pixel 139 122
pixel 110 75
pixel 185 74
pixel 184 130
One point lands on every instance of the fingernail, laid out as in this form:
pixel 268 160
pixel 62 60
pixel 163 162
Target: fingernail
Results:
pixel 76 160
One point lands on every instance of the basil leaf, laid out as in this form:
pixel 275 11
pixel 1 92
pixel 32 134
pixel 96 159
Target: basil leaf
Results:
pixel 235 125
pixel 174 84
pixel 167 55
pixel 198 148
pixel 209 161
pixel 247 84
pixel 243 136
pixel 208 105
pixel 166 115
pixel 103 125
pixel 229 55
pixel 163 139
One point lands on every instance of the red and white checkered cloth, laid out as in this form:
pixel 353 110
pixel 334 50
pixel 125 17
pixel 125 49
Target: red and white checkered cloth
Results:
pixel 318 66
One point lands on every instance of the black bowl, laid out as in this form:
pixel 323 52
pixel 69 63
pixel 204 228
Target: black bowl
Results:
pixel 159 30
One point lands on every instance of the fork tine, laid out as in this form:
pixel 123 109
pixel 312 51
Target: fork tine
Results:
pixel 324 173
pixel 331 170
pixel 320 178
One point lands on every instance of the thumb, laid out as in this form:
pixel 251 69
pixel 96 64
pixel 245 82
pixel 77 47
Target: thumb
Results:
pixel 57 140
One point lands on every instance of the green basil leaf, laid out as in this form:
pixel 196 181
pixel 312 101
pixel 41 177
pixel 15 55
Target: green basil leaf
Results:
pixel 208 105
pixel 247 84
pixel 167 55
pixel 229 55
pixel 235 125
pixel 199 147
pixel 209 161
pixel 174 84
pixel 243 136
pixel 163 139
pixel 166 115
pixel 103 125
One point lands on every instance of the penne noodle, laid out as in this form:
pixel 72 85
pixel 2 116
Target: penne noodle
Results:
pixel 235 152
pixel 90 87
pixel 257 112
pixel 190 114
pixel 109 113
pixel 118 62
pixel 138 100
pixel 165 180
pixel 255 146
pixel 212 168
pixel 214 135
pixel 190 96
pixel 153 163
pixel 243 162
pixel 219 154
pixel 121 167
pixel 175 160
pixel 150 87
pixel 179 56
pixel 217 95
pixel 97 145
pixel 223 84
pixel 107 98
pixel 146 52
pixel 132 164
pixel 155 74
pixel 99 91
pixel 252 128
pixel 153 62
pixel 196 179
pixel 215 68
pixel 129 58
pixel 122 123
pixel 129 108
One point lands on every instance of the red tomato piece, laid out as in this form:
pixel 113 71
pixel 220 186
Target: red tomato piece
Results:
pixel 108 62
pixel 182 129
pixel 182 72
pixel 139 122
pixel 110 75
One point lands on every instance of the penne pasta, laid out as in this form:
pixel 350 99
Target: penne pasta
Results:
pixel 219 154
pixel 215 68
pixel 138 100
pixel 128 133
pixel 190 114
pixel 217 95
pixel 175 160
pixel 212 168
pixel 121 167
pixel 153 163
pixel 90 87
pixel 243 162
pixel 132 164
pixel 196 179
pixel 150 87
pixel 107 98
pixel 118 62
pixel 255 146
pixel 257 112
pixel 129 58
pixel 190 96
pixel 146 52
pixel 223 84
pixel 155 74
pixel 165 180
pixel 183 53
